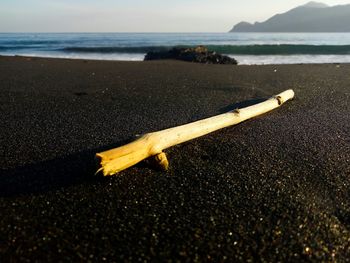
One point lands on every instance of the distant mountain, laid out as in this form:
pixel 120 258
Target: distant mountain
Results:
pixel 312 17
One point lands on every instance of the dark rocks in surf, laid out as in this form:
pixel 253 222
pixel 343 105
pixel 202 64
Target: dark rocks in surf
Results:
pixel 198 54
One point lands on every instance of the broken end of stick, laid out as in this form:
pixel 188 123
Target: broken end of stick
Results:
pixel 114 166
pixel 100 161
pixel 120 158
pixel 100 164
pixel 110 166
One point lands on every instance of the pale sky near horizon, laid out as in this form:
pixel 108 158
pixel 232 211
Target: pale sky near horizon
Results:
pixel 138 15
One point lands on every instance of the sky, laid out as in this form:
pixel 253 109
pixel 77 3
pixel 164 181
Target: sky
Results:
pixel 138 15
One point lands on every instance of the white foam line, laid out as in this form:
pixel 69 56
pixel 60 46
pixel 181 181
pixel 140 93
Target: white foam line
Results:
pixel 290 59
pixel 242 59
pixel 90 56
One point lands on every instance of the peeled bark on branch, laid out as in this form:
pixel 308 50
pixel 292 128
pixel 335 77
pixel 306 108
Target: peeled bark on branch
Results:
pixel 153 144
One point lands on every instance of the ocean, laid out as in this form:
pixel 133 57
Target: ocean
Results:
pixel 246 48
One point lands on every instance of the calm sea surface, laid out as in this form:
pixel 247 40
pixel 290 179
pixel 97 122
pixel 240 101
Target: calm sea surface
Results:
pixel 247 48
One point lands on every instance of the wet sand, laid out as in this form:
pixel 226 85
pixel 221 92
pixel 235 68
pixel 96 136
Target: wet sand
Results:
pixel 276 187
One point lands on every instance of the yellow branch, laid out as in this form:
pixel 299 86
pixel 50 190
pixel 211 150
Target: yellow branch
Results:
pixel 153 144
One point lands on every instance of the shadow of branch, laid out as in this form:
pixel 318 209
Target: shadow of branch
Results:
pixel 53 174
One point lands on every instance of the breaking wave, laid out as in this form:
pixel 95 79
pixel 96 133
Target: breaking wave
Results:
pixel 283 49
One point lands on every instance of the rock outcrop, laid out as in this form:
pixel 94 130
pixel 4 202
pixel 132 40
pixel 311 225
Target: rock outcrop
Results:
pixel 198 54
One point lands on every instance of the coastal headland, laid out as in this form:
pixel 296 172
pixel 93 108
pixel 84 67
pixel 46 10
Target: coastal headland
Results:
pixel 274 188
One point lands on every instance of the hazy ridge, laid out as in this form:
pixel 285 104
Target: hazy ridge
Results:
pixel 312 17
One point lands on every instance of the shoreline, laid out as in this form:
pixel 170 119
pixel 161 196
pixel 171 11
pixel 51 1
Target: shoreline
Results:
pixel 107 57
pixel 278 182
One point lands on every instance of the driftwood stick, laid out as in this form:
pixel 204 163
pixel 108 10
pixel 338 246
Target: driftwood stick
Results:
pixel 153 144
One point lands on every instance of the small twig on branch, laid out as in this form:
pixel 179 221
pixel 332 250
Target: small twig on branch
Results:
pixel 153 144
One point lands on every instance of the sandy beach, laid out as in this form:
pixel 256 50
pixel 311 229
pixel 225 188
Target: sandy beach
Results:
pixel 274 188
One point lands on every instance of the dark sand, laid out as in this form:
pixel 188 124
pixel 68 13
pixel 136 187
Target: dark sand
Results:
pixel 273 188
